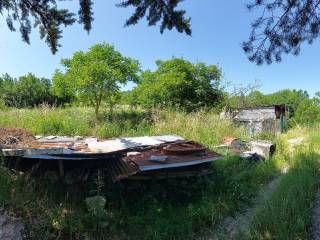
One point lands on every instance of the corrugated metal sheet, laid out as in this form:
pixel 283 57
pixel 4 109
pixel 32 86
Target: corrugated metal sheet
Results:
pixel 72 145
pixel 144 163
pixel 127 143
pixel 256 114
pixel 117 155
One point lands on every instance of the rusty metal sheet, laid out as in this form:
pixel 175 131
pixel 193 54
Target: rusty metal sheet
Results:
pixel 89 145
pixel 114 154
pixel 174 160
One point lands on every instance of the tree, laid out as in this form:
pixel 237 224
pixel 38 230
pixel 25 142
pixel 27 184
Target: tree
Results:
pixel 282 27
pixel 8 90
pixel 292 98
pixel 62 89
pixel 308 112
pixel 243 96
pixel 26 91
pixel 32 91
pixel 180 83
pixel 95 76
pixel 48 17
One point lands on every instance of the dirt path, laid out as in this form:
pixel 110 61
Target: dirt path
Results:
pixel 231 226
pixel 10 227
pixel 315 229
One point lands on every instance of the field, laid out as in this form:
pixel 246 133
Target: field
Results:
pixel 271 199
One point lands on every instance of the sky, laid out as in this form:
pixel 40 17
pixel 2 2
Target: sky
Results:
pixel 219 27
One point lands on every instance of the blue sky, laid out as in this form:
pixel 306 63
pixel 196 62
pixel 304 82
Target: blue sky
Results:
pixel 218 27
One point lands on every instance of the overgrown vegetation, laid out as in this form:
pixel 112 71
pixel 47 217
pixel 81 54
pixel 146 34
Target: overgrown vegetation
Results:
pixel 167 209
pixel 94 78
pixel 286 214
pixel 179 97
pixel 203 126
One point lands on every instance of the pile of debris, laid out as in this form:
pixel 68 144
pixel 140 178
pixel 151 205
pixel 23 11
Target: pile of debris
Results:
pixel 15 137
pixel 256 150
pixel 125 158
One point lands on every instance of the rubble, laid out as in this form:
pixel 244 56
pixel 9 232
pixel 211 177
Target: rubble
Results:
pixel 254 150
pixel 263 148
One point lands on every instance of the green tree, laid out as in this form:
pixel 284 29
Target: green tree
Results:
pixel 95 76
pixel 32 91
pixel 292 98
pixel 62 89
pixel 282 28
pixel 7 90
pixel 26 91
pixel 243 96
pixel 308 112
pixel 180 83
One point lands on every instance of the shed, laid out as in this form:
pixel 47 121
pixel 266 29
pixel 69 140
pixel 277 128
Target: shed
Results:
pixel 260 119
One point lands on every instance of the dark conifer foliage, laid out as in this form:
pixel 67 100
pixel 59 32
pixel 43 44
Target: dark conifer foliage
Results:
pixel 281 29
pixel 156 11
pixel 49 17
pixel 43 14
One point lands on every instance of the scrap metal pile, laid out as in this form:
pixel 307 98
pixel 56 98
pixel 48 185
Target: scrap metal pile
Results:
pixel 125 158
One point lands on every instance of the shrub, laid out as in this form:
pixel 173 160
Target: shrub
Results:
pixel 308 112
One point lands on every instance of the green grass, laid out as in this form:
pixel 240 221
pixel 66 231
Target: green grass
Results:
pixel 286 214
pixel 205 127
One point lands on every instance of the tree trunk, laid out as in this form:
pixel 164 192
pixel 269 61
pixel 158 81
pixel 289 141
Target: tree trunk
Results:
pixel 111 111
pixel 96 111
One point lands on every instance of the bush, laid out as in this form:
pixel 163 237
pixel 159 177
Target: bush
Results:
pixel 26 91
pixel 308 112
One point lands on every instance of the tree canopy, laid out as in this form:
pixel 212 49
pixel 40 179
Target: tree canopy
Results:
pixel 95 76
pixel 179 83
pixel 292 98
pixel 26 91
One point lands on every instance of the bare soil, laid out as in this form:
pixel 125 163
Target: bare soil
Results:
pixel 15 136
pixel 10 227
pixel 315 229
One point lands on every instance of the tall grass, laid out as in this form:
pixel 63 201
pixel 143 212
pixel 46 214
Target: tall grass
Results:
pixel 287 213
pixel 203 126
pixel 168 209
